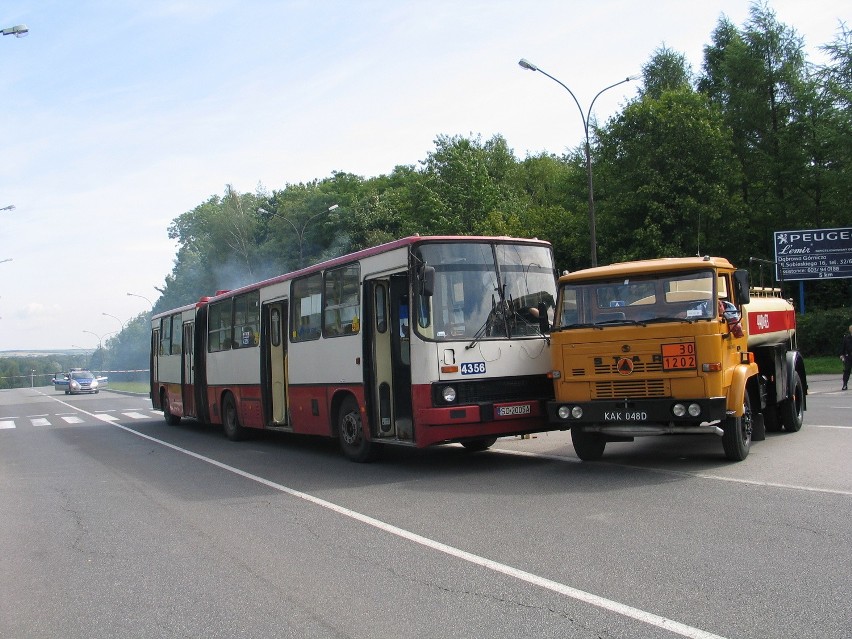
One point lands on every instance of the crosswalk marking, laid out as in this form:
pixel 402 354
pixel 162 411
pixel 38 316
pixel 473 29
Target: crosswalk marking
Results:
pixel 70 418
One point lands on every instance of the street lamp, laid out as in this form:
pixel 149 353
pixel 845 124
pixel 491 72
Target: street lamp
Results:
pixel 143 297
pixel 593 244
pixel 301 233
pixel 100 338
pixel 19 31
pixel 116 319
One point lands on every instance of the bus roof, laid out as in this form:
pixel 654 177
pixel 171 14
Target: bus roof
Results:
pixel 351 257
pixel 660 265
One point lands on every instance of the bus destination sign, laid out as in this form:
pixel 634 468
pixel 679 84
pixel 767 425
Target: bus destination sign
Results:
pixel 814 254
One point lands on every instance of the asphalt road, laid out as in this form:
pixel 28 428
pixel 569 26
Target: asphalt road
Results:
pixel 113 524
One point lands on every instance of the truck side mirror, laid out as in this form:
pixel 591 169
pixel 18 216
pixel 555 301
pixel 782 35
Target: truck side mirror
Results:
pixel 741 285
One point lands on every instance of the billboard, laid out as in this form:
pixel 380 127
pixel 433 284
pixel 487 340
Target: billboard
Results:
pixel 813 254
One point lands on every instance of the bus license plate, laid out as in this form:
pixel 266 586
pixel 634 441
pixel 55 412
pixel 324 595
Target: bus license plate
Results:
pixel 473 368
pixel 678 356
pixel 514 411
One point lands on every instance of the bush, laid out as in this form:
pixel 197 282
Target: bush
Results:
pixel 820 332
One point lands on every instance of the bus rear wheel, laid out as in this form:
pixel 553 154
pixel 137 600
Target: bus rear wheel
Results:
pixel 171 419
pixel 350 431
pixel 231 421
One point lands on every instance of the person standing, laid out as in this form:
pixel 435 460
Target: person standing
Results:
pixel 846 357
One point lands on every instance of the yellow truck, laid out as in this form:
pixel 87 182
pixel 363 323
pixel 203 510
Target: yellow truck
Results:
pixel 669 346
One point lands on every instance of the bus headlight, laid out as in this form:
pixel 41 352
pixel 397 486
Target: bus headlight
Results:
pixel 679 410
pixel 449 394
pixel 567 412
pixel 694 410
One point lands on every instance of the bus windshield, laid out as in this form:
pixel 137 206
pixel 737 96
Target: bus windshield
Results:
pixel 658 297
pixel 485 290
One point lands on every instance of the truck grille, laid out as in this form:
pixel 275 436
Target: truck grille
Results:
pixel 627 389
pixel 638 367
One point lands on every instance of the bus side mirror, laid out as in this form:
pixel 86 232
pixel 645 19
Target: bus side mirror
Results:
pixel 427 280
pixel 741 284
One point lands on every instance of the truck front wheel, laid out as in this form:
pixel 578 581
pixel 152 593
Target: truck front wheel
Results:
pixel 588 446
pixel 736 438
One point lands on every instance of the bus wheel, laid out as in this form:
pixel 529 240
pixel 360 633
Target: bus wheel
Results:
pixel 351 432
pixel 588 446
pixel 792 409
pixel 171 420
pixel 477 445
pixel 231 421
pixel 736 438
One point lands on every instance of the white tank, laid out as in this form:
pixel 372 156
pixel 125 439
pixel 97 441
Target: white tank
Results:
pixel 769 319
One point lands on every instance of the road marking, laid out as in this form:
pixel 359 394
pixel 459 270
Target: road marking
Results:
pixel 106 418
pixel 637 614
pixel 135 415
pixel 7 424
pixel 72 419
pixel 40 421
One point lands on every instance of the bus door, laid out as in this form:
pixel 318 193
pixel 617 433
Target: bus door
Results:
pixel 154 375
pixel 390 354
pixel 274 375
pixel 188 363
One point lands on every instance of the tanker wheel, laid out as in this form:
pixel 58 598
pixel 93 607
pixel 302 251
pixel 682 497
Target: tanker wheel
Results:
pixel 231 421
pixel 588 446
pixel 792 409
pixel 350 430
pixel 736 438
pixel 478 445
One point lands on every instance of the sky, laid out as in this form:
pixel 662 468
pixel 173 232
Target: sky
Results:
pixel 118 116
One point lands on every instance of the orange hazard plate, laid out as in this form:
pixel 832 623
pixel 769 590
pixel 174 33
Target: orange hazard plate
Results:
pixel 678 356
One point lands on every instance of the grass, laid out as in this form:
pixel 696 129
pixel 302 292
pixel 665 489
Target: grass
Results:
pixel 130 387
pixel 830 365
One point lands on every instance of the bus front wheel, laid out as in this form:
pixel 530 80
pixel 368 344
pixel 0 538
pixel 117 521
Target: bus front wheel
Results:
pixel 350 431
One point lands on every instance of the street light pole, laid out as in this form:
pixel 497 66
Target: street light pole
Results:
pixel 593 243
pixel 143 297
pixel 301 233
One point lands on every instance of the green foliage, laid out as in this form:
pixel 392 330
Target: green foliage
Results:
pixel 820 332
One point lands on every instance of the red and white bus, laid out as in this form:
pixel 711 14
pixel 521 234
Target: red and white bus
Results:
pixel 420 341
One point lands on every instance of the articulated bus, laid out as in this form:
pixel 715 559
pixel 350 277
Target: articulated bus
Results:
pixel 421 341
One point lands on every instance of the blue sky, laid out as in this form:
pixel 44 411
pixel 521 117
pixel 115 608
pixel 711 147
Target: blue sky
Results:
pixel 119 116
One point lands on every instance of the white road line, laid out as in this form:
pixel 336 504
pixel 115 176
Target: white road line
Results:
pixel 637 614
pixel 106 418
pixel 6 424
pixel 72 419
pixel 135 415
pixel 40 421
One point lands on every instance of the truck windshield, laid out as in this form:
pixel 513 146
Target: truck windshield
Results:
pixel 485 290
pixel 659 297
